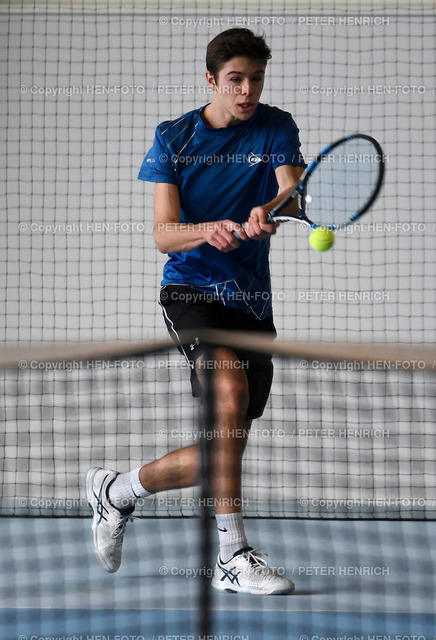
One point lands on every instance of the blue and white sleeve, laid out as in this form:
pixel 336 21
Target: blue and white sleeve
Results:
pixel 158 165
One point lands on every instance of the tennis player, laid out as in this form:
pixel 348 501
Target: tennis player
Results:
pixel 217 169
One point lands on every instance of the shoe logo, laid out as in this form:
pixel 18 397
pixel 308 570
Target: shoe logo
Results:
pixel 232 577
pixel 100 507
pixel 223 530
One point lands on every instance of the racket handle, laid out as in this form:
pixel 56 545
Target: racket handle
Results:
pixel 237 236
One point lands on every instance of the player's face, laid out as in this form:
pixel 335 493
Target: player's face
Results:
pixel 238 87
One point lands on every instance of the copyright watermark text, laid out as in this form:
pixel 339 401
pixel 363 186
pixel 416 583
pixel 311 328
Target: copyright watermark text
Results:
pixel 81 90
pixel 191 22
pixel 365 365
pixel 75 228
pixel 214 434
pixel 336 504
pixel 80 365
pixel 370 89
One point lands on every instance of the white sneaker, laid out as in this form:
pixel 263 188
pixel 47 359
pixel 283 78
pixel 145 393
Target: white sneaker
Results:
pixel 248 572
pixel 109 522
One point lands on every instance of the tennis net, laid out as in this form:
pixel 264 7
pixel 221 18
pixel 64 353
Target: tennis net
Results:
pixel 349 437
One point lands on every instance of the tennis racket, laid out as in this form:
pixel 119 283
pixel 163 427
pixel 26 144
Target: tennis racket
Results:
pixel 338 187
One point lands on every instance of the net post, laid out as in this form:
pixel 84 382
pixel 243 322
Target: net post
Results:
pixel 206 433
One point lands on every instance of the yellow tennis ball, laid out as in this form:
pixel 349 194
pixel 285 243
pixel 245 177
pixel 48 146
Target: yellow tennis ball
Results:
pixel 321 239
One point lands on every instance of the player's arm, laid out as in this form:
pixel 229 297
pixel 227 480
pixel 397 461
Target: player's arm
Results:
pixel 257 226
pixel 173 236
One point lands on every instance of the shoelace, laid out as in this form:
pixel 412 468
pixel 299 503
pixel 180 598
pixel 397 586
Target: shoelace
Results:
pixel 118 531
pixel 255 558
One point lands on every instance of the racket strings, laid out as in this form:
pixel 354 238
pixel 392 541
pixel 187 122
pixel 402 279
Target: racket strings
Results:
pixel 343 183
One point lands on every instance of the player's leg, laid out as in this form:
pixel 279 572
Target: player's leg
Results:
pixel 239 567
pixel 175 470
pixel 231 430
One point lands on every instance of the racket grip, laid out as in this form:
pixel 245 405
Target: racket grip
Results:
pixel 237 236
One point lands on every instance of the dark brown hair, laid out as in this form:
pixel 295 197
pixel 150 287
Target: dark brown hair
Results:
pixel 232 43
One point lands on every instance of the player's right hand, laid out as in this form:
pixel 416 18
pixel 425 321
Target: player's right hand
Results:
pixel 258 226
pixel 219 235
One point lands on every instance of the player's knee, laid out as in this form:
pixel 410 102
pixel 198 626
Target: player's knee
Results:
pixel 232 396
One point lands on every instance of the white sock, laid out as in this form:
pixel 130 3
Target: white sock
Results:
pixel 126 489
pixel 231 534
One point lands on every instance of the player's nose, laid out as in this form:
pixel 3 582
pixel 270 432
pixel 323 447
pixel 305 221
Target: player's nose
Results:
pixel 246 88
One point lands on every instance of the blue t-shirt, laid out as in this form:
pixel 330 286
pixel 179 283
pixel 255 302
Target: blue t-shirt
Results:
pixel 222 174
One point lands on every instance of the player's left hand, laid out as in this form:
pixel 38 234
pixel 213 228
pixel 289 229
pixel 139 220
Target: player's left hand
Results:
pixel 257 226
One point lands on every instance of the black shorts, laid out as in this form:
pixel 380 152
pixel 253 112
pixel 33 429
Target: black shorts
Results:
pixel 186 309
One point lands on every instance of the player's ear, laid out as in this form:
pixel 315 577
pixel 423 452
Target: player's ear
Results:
pixel 211 80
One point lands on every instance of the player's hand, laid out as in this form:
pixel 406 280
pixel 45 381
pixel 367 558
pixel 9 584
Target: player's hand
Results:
pixel 257 226
pixel 219 235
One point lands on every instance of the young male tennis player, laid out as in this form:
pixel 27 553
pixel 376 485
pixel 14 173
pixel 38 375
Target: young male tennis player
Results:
pixel 215 168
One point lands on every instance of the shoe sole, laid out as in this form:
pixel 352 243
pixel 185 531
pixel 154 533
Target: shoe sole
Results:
pixel 254 592
pixel 89 492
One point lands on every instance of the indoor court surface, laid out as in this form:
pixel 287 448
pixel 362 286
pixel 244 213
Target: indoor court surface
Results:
pixel 370 579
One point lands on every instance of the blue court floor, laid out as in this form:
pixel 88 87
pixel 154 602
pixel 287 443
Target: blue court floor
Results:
pixel 375 580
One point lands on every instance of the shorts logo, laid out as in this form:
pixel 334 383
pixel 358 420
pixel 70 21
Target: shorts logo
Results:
pixel 253 159
pixel 194 344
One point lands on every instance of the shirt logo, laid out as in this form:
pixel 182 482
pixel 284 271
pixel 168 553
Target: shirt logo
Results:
pixel 253 159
